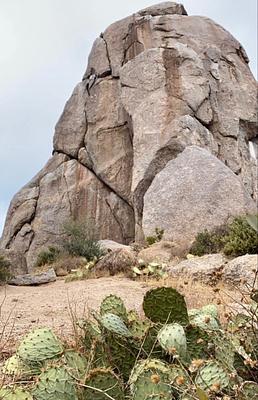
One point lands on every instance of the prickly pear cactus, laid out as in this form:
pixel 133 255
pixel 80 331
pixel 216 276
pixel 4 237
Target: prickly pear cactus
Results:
pixel 15 367
pixel 14 394
pixel 172 339
pixel 179 378
pixel 150 380
pixel 212 376
pixel 165 305
pixel 115 324
pixel 102 382
pixel 97 357
pixel 39 345
pixel 55 384
pixel 210 309
pixel 193 312
pixel 197 343
pixel 76 364
pixel 115 305
pixel 249 391
pixel 122 353
pixel 91 332
pixel 205 322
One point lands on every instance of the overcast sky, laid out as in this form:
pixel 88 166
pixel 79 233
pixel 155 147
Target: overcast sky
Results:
pixel 44 48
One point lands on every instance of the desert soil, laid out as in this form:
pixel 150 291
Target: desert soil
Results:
pixel 57 304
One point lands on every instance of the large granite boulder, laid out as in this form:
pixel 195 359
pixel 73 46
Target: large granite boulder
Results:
pixel 243 271
pixel 157 83
pixel 193 192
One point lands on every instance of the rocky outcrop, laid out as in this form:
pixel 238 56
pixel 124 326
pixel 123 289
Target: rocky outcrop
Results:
pixel 160 86
pixel 241 271
pixel 34 279
pixel 207 269
pixel 199 192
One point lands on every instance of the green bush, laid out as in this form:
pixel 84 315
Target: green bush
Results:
pixel 209 242
pixel 81 240
pixel 47 256
pixel 4 270
pixel 241 238
pixel 235 239
pixel 155 238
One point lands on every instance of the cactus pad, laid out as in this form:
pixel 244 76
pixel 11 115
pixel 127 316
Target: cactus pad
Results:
pixel 100 382
pixel 210 375
pixel 165 305
pixel 14 394
pixel 113 304
pixel 76 364
pixel 206 322
pixel 115 324
pixel 39 345
pixel 150 380
pixel 55 384
pixel 15 367
pixel 249 391
pixel 210 309
pixel 172 339
pixel 197 342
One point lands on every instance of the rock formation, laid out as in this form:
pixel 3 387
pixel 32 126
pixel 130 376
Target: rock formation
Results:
pixel 165 116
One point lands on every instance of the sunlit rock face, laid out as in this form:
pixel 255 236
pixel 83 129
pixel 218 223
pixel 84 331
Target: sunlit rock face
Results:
pixel 167 99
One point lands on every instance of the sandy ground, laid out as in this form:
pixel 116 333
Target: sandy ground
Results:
pixel 52 304
pixel 57 305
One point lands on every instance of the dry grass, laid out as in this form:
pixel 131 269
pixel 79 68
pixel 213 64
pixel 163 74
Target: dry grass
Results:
pixel 59 304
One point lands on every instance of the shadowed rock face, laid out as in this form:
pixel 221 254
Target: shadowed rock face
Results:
pixel 157 83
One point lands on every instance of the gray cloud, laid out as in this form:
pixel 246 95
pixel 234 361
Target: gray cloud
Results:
pixel 44 48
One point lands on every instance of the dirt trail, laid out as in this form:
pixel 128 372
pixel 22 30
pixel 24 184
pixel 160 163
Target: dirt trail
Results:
pixel 48 305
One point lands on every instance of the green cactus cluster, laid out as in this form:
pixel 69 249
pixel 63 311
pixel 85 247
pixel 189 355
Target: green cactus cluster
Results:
pixel 170 354
pixel 154 269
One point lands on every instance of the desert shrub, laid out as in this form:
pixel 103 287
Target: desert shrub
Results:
pixel 81 240
pixel 155 238
pixel 234 239
pixel 4 270
pixel 48 256
pixel 65 263
pixel 241 238
pixel 209 242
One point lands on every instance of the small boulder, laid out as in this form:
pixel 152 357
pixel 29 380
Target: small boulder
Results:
pixel 111 245
pixel 207 269
pixel 119 260
pixel 242 270
pixel 34 279
pixel 160 252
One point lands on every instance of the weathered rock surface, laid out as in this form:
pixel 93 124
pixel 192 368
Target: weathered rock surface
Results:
pixel 207 269
pixel 18 264
pixel 34 279
pixel 242 270
pixel 160 252
pixel 156 83
pixel 111 245
pixel 194 192
pixel 119 260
